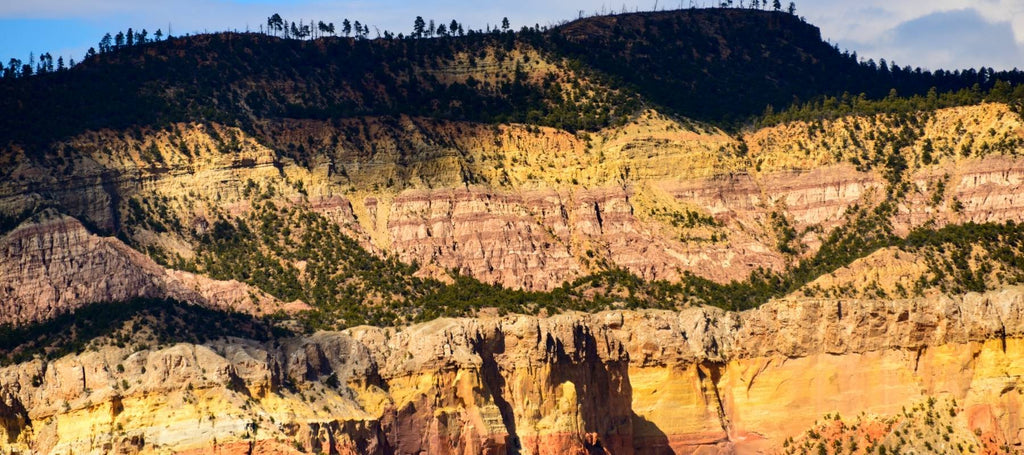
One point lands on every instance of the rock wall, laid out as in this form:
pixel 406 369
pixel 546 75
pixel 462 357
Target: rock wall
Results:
pixel 533 207
pixel 697 381
pixel 52 265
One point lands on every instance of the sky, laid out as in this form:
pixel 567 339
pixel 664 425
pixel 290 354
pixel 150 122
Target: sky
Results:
pixel 931 34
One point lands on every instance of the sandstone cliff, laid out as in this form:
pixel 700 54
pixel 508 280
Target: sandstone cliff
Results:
pixel 372 178
pixel 530 207
pixel 51 265
pixel 698 380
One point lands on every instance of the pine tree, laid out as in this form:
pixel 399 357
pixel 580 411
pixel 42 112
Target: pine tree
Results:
pixel 105 43
pixel 418 26
pixel 11 71
pixel 275 23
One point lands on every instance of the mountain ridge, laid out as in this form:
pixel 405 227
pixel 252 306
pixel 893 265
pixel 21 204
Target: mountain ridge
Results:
pixel 506 243
pixel 241 78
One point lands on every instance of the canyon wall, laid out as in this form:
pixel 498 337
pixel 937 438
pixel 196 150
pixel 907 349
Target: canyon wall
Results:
pixel 52 265
pixel 533 207
pixel 700 380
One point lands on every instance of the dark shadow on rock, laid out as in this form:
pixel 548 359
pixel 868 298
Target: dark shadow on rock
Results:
pixel 603 391
pixel 648 439
pixel 494 382
pixel 13 417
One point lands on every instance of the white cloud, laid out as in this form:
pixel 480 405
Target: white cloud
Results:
pixel 878 29
pixel 859 20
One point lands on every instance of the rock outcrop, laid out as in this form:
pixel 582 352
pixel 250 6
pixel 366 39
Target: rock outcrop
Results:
pixel 324 191
pixel 52 265
pixel 699 380
pixel 532 207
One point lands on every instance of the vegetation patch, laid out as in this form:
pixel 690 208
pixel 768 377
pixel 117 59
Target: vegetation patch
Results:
pixel 139 323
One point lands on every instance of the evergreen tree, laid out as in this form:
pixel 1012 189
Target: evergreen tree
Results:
pixel 13 68
pixel 105 43
pixel 346 27
pixel 776 5
pixel 275 23
pixel 158 35
pixel 131 37
pixel 418 26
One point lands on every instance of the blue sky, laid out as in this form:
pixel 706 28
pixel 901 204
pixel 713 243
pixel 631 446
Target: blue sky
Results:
pixel 931 34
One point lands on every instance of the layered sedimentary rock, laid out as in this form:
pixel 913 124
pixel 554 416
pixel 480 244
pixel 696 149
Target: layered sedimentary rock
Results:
pixel 699 380
pixel 538 239
pixel 52 265
pixel 533 207
pixel 526 209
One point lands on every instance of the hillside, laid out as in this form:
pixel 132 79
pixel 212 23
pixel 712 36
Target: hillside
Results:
pixel 675 230
pixel 238 156
pixel 722 66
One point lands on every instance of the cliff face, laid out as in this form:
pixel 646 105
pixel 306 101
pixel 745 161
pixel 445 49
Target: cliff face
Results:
pixel 52 265
pixel 614 382
pixel 532 207
pixel 525 208
pixel 360 173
